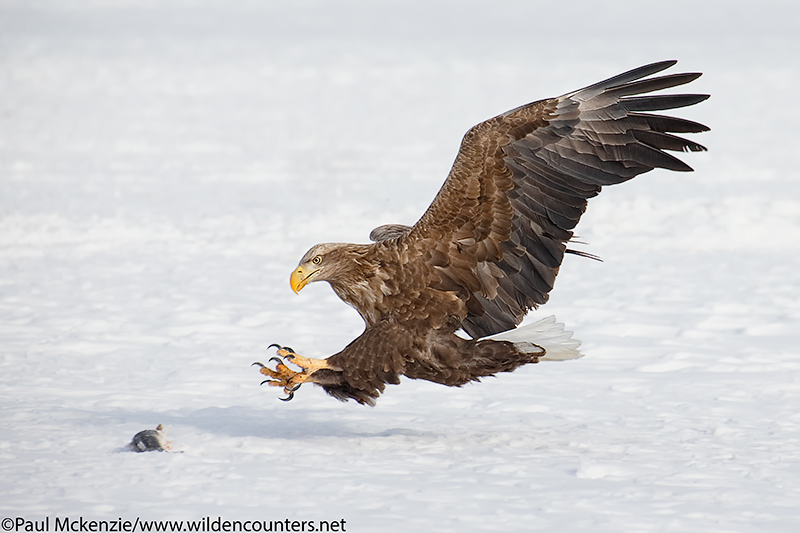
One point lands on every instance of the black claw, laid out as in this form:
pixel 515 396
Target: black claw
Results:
pixel 288 398
pixel 257 364
pixel 278 346
pixel 286 348
pixel 295 387
pixel 277 360
pixel 266 381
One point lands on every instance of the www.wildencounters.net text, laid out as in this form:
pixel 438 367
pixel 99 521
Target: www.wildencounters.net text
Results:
pixel 203 525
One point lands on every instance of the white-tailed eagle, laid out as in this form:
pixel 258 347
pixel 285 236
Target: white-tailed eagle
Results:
pixel 489 247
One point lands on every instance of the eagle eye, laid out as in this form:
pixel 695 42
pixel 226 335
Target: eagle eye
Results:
pixel 317 260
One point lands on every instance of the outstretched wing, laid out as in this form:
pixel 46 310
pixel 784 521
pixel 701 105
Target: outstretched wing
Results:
pixel 496 233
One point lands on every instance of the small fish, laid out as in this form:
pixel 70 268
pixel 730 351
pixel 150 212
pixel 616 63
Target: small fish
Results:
pixel 150 440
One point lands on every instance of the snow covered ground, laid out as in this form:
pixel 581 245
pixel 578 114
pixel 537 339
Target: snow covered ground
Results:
pixel 163 166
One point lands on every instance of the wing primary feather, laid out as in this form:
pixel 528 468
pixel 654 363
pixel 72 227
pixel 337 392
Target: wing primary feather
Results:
pixel 653 84
pixel 665 124
pixel 665 141
pixel 661 102
pixel 655 158
pixel 627 77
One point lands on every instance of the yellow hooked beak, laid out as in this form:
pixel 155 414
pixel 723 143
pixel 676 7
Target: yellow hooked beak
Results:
pixel 300 278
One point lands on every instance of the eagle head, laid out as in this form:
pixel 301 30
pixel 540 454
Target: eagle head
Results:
pixel 331 262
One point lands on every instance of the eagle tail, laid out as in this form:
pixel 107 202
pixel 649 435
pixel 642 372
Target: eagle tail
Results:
pixel 545 333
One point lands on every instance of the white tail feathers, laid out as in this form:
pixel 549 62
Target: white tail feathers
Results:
pixel 547 333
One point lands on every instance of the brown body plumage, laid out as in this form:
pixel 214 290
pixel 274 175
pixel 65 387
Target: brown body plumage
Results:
pixel 489 247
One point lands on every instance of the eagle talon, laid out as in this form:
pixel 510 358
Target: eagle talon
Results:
pixel 288 378
pixel 283 351
pixel 288 398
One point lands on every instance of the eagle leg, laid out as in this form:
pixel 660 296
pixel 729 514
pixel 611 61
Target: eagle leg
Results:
pixel 283 376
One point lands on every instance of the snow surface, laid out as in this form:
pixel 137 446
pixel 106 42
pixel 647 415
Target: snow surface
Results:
pixel 163 166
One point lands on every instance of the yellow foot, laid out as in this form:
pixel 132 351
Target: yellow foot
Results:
pixel 283 376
